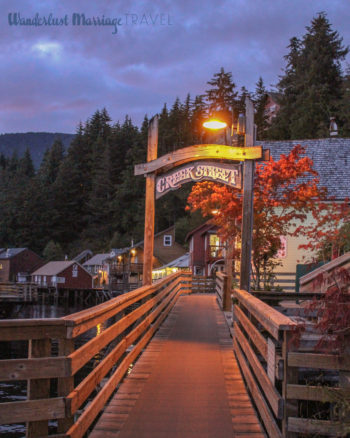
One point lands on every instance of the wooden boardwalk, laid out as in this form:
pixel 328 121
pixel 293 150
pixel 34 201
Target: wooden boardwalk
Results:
pixel 186 384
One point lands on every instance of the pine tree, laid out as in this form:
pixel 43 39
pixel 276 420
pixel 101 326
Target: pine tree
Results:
pixel 51 162
pixel 198 116
pixel 25 165
pixel 221 97
pixel 311 88
pixel 53 251
pixel 260 100
pixel 343 118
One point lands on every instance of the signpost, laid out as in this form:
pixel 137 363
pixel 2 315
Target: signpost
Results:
pixel 152 151
pixel 228 174
pixel 212 162
pixel 248 193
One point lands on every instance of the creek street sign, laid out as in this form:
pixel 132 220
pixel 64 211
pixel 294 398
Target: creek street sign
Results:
pixel 229 174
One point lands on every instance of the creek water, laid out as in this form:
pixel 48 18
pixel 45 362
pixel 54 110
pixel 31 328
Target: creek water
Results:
pixel 17 390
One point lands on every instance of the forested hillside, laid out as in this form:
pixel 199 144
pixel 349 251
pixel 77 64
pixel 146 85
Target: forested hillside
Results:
pixel 86 195
pixel 36 142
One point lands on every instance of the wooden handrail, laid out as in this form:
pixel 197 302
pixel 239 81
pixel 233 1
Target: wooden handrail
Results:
pixel 131 330
pixel 271 319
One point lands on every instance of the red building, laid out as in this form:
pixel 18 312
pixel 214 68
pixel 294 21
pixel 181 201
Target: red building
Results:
pixel 206 250
pixel 63 275
pixel 18 262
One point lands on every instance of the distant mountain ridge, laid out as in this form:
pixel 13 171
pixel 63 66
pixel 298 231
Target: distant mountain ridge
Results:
pixel 37 142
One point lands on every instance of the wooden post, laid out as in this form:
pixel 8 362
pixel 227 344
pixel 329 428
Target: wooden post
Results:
pixel 247 210
pixel 148 243
pixel 290 376
pixel 226 298
pixel 65 384
pixel 38 388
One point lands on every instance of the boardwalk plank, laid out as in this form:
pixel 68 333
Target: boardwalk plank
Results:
pixel 187 383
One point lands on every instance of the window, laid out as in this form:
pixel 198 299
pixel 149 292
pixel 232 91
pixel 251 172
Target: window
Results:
pixel 198 270
pixel 216 248
pixel 168 240
pixel 75 271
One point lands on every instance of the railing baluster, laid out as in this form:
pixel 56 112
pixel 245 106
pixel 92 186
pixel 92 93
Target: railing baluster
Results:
pixel 65 384
pixel 38 388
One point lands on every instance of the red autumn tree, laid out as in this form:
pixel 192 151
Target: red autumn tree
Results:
pixel 285 192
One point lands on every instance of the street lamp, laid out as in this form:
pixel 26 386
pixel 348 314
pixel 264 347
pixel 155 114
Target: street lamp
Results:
pixel 246 127
pixel 214 124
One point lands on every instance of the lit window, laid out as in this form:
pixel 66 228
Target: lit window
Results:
pixel 168 240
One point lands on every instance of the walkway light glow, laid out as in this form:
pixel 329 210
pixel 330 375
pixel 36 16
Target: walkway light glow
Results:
pixel 214 124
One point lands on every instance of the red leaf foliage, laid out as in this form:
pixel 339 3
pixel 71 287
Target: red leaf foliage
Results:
pixel 285 192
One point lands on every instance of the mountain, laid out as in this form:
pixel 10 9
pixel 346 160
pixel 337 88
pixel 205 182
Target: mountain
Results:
pixel 37 142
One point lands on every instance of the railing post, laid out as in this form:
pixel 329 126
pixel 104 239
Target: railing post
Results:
pixel 38 388
pixel 290 376
pixel 65 384
pixel 226 295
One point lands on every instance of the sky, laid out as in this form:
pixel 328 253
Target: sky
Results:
pixel 76 56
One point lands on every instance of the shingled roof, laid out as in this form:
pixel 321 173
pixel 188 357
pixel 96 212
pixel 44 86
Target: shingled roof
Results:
pixel 331 157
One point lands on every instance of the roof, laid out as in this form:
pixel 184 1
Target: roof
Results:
pixel 10 252
pixel 156 235
pixel 97 259
pixel 83 254
pixel 54 268
pixel 204 227
pixel 331 157
pixel 180 262
pixel 118 251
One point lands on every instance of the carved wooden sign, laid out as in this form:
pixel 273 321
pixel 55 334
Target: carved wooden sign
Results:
pixel 229 174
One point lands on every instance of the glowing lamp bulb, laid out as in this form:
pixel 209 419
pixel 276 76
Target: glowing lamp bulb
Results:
pixel 214 124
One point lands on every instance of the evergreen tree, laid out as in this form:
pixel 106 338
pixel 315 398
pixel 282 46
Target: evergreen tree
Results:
pixel 312 85
pixel 25 165
pixel 51 162
pixel 221 97
pixel 260 100
pixel 72 187
pixel 53 252
pixel 343 118
pixel 198 116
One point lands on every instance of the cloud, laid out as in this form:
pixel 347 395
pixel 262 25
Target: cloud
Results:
pixel 55 75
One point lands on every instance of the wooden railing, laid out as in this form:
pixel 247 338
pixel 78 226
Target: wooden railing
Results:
pixel 130 322
pixel 275 359
pixel 131 268
pixel 18 291
pixel 201 284
pixel 223 294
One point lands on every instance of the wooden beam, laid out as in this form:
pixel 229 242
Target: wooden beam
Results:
pixel 256 337
pixel 36 368
pixel 150 204
pixel 272 320
pixel 38 389
pixel 318 427
pixel 199 152
pixel 270 392
pixel 317 393
pixel 33 411
pixel 259 400
pixel 322 361
pixel 65 385
pixel 248 195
